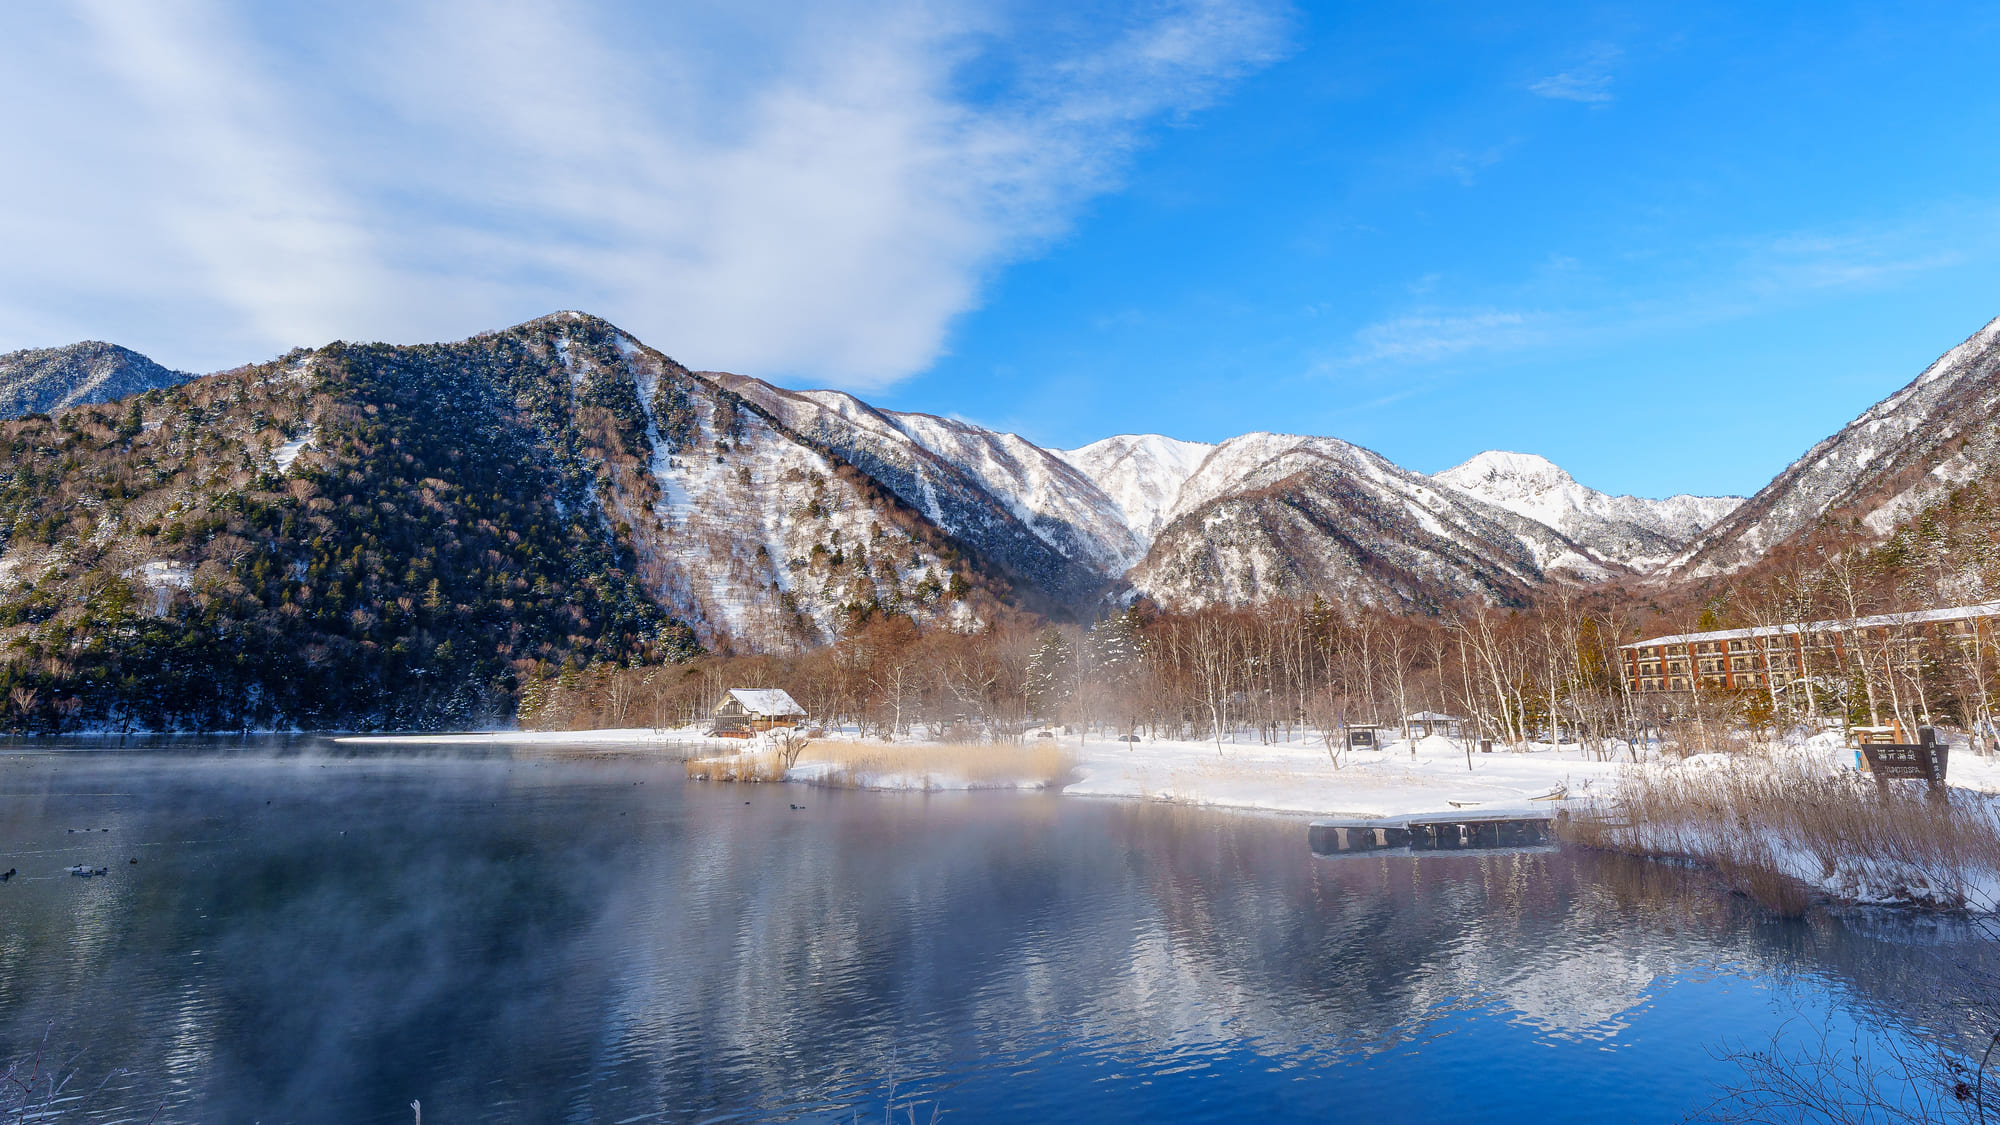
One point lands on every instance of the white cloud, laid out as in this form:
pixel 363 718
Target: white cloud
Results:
pixel 1588 82
pixel 777 190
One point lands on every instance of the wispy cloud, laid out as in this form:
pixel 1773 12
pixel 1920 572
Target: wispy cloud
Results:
pixel 1567 303
pixel 1851 259
pixel 1426 337
pixel 782 190
pixel 1589 81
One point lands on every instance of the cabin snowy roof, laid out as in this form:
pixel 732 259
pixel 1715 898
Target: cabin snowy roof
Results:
pixel 766 701
pixel 1838 625
pixel 1432 717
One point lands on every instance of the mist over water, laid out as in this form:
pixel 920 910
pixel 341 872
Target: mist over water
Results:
pixel 318 936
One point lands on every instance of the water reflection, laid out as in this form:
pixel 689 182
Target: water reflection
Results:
pixel 319 939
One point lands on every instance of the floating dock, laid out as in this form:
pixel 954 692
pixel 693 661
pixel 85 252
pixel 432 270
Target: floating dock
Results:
pixel 1433 832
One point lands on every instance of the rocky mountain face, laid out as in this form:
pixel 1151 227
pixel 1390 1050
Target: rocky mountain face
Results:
pixel 1937 432
pixel 1626 531
pixel 41 380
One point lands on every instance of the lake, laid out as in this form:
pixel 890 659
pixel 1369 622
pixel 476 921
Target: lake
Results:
pixel 314 935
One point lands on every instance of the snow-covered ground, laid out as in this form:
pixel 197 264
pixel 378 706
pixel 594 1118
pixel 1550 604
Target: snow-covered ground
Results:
pixel 1424 776
pixel 1402 777
pixel 1295 777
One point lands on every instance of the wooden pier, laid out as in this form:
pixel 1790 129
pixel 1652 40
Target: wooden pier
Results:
pixel 1433 832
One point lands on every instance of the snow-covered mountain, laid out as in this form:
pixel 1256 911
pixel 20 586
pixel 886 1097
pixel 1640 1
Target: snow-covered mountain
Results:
pixel 1940 430
pixel 1020 509
pixel 771 517
pixel 40 380
pixel 1142 474
pixel 1629 531
pixel 1268 516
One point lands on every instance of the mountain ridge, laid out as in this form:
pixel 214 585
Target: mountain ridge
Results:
pixel 1071 531
pixel 1938 430
pixel 1636 532
pixel 40 380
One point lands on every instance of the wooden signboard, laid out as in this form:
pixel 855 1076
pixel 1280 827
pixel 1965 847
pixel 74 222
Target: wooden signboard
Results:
pixel 1925 761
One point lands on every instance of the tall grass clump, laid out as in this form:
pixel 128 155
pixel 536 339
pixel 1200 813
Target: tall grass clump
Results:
pixel 864 765
pixel 1780 833
pixel 881 765
pixel 751 765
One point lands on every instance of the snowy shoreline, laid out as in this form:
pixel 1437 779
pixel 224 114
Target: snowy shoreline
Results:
pixel 1291 778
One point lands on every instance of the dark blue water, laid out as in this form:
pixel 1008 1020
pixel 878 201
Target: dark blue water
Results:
pixel 325 939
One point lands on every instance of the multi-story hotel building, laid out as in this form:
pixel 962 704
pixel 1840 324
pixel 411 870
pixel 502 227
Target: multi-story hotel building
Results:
pixel 1776 655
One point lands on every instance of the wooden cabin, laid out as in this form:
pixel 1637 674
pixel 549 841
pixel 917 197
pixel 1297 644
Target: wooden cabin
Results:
pixel 744 711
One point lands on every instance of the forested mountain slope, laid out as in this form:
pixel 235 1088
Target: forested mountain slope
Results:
pixel 766 536
pixel 355 536
pixel 40 380
pixel 367 535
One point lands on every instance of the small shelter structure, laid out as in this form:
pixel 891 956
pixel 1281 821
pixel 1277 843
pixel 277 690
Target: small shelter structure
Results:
pixel 744 711
pixel 1423 724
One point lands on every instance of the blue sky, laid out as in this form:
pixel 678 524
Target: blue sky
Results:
pixel 1667 246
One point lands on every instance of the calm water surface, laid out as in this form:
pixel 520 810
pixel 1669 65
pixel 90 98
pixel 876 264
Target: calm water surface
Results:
pixel 315 936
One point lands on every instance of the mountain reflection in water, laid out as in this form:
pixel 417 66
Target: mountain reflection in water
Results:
pixel 315 938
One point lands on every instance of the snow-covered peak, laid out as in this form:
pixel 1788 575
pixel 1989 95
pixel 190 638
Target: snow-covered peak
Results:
pixel 1141 473
pixel 1632 530
pixel 1501 470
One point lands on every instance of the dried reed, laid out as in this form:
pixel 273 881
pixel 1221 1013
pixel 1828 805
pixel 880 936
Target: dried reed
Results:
pixel 1775 832
pixel 861 765
pixel 759 765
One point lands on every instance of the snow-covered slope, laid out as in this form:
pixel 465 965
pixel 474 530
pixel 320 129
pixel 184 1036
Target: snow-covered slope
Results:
pixel 741 528
pixel 1142 474
pixel 1023 510
pixel 1627 530
pixel 1268 516
pixel 1044 490
pixel 41 380
pixel 1938 431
